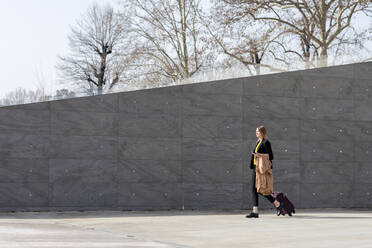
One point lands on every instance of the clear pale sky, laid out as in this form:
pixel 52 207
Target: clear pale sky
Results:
pixel 34 32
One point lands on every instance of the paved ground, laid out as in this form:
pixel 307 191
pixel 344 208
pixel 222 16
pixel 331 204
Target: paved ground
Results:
pixel 107 229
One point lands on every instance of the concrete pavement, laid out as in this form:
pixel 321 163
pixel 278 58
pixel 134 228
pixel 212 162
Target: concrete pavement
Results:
pixel 307 228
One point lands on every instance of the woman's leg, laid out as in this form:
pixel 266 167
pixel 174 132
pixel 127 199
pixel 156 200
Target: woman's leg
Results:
pixel 272 200
pixel 254 193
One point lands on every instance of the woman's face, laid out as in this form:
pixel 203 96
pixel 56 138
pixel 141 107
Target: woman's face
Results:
pixel 258 134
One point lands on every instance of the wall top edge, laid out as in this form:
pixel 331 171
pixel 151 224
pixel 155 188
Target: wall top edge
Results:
pixel 180 86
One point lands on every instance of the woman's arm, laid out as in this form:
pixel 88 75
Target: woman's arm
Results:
pixel 269 151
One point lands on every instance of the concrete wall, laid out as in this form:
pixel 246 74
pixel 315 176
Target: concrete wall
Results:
pixel 187 147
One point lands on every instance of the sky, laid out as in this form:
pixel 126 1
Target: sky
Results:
pixel 34 33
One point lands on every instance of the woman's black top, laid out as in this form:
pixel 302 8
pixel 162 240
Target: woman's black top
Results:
pixel 265 147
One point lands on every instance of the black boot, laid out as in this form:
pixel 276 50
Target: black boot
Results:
pixel 252 215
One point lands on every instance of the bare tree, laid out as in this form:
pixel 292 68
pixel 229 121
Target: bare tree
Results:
pixel 97 43
pixel 317 22
pixel 64 93
pixel 21 96
pixel 240 37
pixel 17 96
pixel 171 43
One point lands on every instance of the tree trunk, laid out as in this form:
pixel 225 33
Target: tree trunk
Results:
pixel 257 65
pixel 323 58
pixel 99 90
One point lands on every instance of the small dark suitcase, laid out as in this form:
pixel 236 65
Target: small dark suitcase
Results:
pixel 288 207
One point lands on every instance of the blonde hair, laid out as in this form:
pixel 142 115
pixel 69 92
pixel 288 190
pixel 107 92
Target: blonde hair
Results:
pixel 263 131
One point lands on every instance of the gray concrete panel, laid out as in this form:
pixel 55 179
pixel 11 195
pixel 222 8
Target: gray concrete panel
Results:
pixel 320 130
pixel 320 172
pixel 24 194
pixel 247 202
pixel 207 126
pixel 82 170
pixel 327 109
pixel 83 123
pixel 362 88
pixel 363 172
pixel 101 103
pixel 362 109
pixel 19 170
pixel 314 195
pixel 327 151
pixel 24 146
pixel 152 101
pixel 286 171
pixel 363 130
pixel 285 150
pixel 246 173
pixel 228 86
pixel 326 87
pixel 208 104
pixel 88 147
pixel 74 193
pixel 211 149
pixel 282 129
pixel 212 171
pixel 149 148
pixel 270 107
pixel 149 171
pixel 363 70
pixel 143 196
pixel 362 195
pixel 363 151
pixel 148 125
pixel 212 196
pixel 273 85
pixel 20 121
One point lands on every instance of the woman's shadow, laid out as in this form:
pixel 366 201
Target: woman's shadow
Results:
pixel 330 217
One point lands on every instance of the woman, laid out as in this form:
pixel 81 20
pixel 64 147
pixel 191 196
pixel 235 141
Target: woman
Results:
pixel 263 147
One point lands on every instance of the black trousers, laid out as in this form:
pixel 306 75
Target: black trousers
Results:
pixel 255 193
